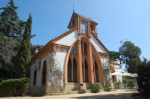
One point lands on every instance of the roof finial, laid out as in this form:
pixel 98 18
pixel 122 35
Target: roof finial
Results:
pixel 73 7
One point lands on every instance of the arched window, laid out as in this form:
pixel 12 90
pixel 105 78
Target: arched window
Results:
pixel 74 50
pixel 34 78
pixel 86 71
pixel 96 72
pixel 85 49
pixel 69 70
pixel 44 73
pixel 83 72
pixel 74 70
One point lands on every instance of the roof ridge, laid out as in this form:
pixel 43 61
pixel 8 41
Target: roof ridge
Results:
pixel 83 16
pixel 56 38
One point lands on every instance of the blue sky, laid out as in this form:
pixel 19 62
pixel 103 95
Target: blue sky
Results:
pixel 117 19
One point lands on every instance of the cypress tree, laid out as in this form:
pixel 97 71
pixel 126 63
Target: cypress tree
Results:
pixel 23 57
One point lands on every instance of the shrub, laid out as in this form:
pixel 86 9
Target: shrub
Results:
pixel 1 79
pixel 131 84
pixel 144 78
pixel 95 88
pixel 107 88
pixel 75 89
pixel 81 91
pixel 14 87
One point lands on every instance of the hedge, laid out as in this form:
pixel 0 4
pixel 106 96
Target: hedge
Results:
pixel 14 87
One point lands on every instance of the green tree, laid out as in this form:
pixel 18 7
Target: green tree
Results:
pixel 23 57
pixel 35 47
pixel 10 24
pixel 143 78
pixel 8 49
pixel 130 55
pixel 114 55
pixel 11 28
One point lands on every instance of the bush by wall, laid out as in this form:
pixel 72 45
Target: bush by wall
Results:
pixel 144 79
pixel 95 88
pixel 107 88
pixel 14 87
pixel 81 91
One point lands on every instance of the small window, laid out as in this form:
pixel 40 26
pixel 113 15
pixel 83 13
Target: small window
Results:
pixel 92 28
pixel 74 50
pixel 66 49
pixel 105 56
pixel 83 27
pixel 59 48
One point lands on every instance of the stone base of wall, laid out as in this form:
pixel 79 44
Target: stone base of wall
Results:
pixel 50 90
pixel 70 86
pixel 36 90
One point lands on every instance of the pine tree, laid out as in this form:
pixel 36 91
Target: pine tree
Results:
pixel 23 57
pixel 10 24
pixel 11 28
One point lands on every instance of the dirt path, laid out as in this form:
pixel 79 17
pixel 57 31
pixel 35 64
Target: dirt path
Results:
pixel 119 94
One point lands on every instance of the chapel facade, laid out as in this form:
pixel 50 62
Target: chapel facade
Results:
pixel 79 53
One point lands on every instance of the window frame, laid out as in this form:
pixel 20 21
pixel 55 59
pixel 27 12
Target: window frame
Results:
pixel 85 30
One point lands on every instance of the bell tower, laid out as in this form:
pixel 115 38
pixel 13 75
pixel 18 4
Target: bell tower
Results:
pixel 84 24
pixel 86 60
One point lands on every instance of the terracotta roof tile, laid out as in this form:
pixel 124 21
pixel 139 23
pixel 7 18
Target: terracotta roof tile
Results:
pixel 84 17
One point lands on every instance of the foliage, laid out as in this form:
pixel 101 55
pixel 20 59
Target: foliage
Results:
pixel 95 88
pixel 75 89
pixel 81 91
pixel 131 84
pixel 107 77
pixel 43 91
pixel 11 31
pixel 23 56
pixel 8 49
pixel 117 85
pixel 130 55
pixel 106 70
pixel 14 87
pixel 107 88
pixel 143 78
pixel 35 47
pixel 114 55
pixel 10 24
pixel 55 74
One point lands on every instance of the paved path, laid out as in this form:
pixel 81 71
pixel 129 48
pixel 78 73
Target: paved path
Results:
pixel 119 94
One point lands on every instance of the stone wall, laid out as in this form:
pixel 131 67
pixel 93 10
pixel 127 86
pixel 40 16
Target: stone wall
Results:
pixel 70 86
pixel 36 90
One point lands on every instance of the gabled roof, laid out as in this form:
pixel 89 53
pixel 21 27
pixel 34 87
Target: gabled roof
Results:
pixel 84 17
pixel 100 43
pixel 81 16
pixel 52 41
